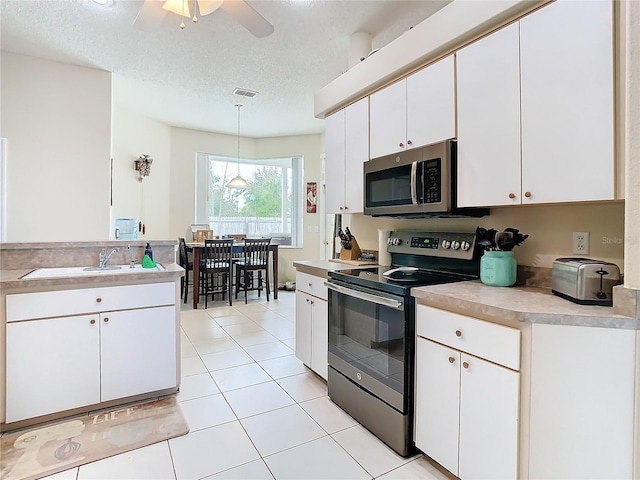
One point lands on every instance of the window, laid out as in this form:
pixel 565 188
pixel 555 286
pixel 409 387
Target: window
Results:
pixel 270 207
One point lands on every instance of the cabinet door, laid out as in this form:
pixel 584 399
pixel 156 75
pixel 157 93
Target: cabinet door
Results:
pixel 138 351
pixel 437 402
pixel 319 337
pixel 431 104
pixel 567 102
pixel 334 162
pixel 489 120
pixel 388 120
pixel 357 152
pixel 52 365
pixel 303 327
pixel 489 405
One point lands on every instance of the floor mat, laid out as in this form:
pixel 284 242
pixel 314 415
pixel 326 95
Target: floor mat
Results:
pixel 43 450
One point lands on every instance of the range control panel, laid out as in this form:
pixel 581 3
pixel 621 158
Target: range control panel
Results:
pixel 436 244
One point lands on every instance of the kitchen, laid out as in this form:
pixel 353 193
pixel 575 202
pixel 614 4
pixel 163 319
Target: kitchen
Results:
pixel 550 227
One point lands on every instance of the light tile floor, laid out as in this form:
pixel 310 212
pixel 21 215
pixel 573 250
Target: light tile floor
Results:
pixel 255 411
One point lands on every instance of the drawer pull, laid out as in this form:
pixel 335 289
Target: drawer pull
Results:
pixel 92 322
pixel 465 364
pixel 452 359
pixel 98 299
pixel 310 284
pixel 458 333
pixel 106 319
pixel 512 196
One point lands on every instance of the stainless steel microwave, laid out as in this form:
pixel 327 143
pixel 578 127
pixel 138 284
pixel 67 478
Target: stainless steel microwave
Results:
pixel 415 183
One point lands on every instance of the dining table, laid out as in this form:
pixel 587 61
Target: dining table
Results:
pixel 197 247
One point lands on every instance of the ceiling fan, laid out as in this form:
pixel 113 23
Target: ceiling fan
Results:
pixel 153 12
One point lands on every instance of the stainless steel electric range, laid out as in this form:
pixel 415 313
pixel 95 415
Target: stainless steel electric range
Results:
pixel 372 328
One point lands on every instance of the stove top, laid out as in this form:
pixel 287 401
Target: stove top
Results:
pixel 419 259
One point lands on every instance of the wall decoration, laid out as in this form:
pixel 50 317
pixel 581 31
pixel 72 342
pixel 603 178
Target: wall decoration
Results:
pixel 312 197
pixel 143 166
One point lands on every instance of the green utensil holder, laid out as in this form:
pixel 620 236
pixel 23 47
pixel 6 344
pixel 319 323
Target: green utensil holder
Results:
pixel 498 268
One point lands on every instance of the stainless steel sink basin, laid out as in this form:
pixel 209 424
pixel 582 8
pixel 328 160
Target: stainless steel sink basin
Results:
pixel 57 272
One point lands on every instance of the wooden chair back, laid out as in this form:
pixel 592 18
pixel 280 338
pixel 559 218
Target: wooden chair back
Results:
pixel 255 253
pixel 215 256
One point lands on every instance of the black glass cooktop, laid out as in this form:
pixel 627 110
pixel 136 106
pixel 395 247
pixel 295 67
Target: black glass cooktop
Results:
pixel 397 280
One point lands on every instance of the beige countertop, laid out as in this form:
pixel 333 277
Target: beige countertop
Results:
pixel 12 279
pixel 519 304
pixel 321 268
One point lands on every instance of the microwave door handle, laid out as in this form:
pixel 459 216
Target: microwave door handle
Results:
pixel 414 181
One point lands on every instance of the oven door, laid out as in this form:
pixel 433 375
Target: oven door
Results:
pixel 368 340
pixel 393 185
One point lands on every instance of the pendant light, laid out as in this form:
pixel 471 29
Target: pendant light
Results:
pixel 238 181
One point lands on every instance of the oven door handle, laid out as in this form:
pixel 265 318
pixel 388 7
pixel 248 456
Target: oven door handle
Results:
pixel 387 302
pixel 414 183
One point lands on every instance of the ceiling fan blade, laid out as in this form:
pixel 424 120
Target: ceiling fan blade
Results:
pixel 208 6
pixel 150 15
pixel 246 16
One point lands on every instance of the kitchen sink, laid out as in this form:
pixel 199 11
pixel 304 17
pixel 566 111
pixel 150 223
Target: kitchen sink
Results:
pixel 57 272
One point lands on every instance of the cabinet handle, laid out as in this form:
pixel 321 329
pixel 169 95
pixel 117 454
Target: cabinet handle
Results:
pixel 341 208
pixel 310 284
pixel 458 333
pixel 92 322
pixel 465 364
pixel 311 302
pixel 401 145
pixel 106 319
pixel 452 359
pixel 346 208
pixel 512 196
pixel 98 299
pixel 409 142
pixel 527 194
pixel 306 300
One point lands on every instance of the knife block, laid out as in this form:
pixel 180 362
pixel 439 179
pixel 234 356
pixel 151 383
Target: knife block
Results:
pixel 352 254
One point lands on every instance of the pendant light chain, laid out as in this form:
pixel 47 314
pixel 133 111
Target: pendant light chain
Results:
pixel 238 105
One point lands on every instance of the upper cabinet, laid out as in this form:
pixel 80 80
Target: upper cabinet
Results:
pixel 566 59
pixel 535 109
pixel 346 150
pixel 416 111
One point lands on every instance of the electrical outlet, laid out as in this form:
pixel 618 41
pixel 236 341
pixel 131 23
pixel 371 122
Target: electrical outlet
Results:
pixel 581 243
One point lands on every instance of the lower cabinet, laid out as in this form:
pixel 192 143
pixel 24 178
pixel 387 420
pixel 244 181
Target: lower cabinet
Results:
pixel 312 326
pixel 60 363
pixel 467 408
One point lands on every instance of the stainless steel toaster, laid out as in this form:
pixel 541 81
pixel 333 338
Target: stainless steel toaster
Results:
pixel 585 281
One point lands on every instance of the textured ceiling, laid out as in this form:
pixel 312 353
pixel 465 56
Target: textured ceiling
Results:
pixel 185 78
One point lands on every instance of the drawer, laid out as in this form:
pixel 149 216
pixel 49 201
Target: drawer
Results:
pixel 26 306
pixel 493 342
pixel 311 284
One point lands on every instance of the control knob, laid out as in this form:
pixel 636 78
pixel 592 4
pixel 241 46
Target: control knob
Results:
pixel 465 245
pixel 394 241
pixel 455 244
pixel 446 244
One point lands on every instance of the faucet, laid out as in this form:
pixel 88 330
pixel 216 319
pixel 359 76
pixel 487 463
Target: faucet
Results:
pixel 104 258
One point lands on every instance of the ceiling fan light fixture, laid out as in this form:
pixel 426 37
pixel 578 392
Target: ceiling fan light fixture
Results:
pixel 179 7
pixel 208 6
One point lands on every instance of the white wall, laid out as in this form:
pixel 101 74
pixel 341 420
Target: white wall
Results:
pixel 185 143
pixel 149 200
pixel 57 122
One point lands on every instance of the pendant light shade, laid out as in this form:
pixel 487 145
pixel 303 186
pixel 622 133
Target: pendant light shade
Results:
pixel 238 181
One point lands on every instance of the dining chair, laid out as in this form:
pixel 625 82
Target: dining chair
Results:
pixel 216 269
pixel 186 263
pixel 254 259
pixel 202 235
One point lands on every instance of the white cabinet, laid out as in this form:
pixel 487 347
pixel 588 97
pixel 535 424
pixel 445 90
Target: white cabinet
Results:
pixel 467 407
pixel 415 111
pixel 312 324
pixel 489 171
pixel 52 365
pixel 346 149
pixel 566 58
pixel 582 402
pixel 65 352
pixel 535 109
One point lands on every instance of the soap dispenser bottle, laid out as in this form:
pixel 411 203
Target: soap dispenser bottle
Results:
pixel 148 251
